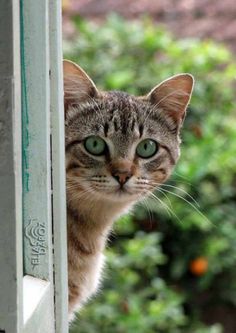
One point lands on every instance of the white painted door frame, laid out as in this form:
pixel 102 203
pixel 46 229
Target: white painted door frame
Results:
pixel 33 256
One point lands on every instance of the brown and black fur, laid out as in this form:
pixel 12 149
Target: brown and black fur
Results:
pixel 95 199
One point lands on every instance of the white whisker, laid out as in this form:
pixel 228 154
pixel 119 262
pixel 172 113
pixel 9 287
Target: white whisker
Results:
pixel 178 189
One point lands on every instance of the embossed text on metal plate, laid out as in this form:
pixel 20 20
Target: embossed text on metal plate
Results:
pixel 35 231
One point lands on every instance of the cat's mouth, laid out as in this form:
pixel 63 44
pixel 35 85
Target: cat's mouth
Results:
pixel 117 194
pixel 123 193
pixel 123 190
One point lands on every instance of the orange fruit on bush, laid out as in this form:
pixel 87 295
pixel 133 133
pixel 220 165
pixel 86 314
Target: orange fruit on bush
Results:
pixel 199 266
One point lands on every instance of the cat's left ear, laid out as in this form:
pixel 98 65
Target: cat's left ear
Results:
pixel 172 97
pixel 78 87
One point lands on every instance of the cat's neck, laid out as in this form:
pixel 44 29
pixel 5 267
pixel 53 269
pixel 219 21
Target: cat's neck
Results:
pixel 90 222
pixel 99 212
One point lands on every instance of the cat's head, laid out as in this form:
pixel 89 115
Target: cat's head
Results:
pixel 120 147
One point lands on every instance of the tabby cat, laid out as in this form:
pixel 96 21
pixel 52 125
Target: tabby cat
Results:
pixel 118 149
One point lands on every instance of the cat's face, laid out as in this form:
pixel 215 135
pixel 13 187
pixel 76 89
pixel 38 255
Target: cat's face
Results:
pixel 120 147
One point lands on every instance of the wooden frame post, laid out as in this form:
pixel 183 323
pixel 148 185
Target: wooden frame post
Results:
pixel 33 250
pixel 11 316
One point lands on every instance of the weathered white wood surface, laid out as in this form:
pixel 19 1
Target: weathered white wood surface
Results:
pixel 10 170
pixel 36 318
pixel 33 290
pixel 37 213
pixel 58 168
pixel 36 146
pixel 40 298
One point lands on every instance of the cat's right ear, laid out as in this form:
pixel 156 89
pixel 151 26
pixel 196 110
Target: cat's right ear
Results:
pixel 78 87
pixel 172 97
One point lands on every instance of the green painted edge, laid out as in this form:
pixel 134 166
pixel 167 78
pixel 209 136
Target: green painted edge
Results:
pixel 24 106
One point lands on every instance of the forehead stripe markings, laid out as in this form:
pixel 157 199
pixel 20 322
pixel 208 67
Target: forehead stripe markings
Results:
pixel 106 128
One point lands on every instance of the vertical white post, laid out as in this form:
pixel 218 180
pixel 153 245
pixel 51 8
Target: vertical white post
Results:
pixel 58 168
pixel 36 139
pixel 45 249
pixel 10 170
pixel 37 213
pixel 37 301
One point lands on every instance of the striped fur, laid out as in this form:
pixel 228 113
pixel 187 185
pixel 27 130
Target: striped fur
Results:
pixel 94 197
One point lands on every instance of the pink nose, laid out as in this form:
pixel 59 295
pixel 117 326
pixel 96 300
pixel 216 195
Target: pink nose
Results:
pixel 122 176
pixel 122 170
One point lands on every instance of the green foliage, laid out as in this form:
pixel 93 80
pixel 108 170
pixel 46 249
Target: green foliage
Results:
pixel 149 285
pixel 129 304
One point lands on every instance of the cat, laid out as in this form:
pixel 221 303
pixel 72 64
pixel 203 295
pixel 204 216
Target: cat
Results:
pixel 118 149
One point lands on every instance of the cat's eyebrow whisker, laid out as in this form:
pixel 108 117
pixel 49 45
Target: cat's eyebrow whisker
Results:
pixel 98 106
pixel 99 110
pixel 155 106
pixel 148 113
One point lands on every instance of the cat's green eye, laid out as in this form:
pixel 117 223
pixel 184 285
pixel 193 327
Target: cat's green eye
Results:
pixel 95 145
pixel 147 148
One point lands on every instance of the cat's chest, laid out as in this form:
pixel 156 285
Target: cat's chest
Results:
pixel 90 269
pixel 84 275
